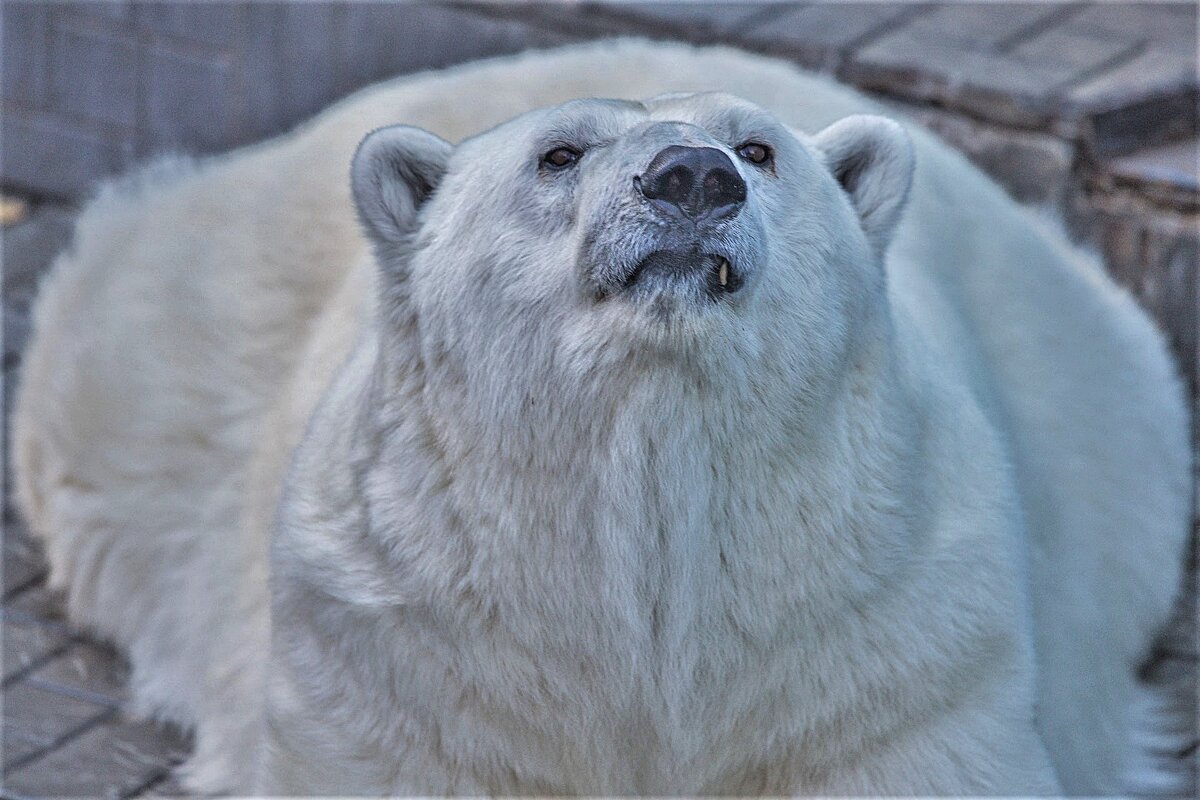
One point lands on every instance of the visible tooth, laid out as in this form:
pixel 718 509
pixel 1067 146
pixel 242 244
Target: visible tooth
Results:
pixel 723 272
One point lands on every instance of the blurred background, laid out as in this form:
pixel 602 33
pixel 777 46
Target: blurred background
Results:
pixel 1088 109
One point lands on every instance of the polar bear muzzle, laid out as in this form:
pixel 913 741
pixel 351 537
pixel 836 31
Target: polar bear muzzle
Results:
pixel 698 187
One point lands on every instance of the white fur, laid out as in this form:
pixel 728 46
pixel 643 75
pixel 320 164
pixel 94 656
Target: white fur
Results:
pixel 531 545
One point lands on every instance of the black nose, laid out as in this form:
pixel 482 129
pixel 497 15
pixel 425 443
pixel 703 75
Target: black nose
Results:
pixel 700 182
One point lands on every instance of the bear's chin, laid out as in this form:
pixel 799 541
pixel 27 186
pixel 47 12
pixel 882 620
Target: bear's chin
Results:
pixel 638 327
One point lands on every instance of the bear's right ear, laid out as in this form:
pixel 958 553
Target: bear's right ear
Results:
pixel 872 158
pixel 395 170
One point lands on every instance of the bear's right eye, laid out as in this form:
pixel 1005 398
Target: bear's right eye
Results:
pixel 561 157
pixel 756 153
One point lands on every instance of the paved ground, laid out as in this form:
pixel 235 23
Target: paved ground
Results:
pixel 1086 108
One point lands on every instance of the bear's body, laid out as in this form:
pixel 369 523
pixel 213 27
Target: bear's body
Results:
pixel 524 547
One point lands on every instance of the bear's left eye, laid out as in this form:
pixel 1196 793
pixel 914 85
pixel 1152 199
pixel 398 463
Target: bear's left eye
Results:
pixel 755 152
pixel 561 157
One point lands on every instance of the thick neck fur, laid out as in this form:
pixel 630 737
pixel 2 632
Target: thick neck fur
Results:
pixel 646 497
pixel 655 482
pixel 647 523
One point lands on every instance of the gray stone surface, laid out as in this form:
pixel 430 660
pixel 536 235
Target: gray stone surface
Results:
pixel 13 749
pixel 1119 75
pixel 699 21
pixel 347 46
pixel 824 36
pixel 84 670
pixel 114 758
pixel 44 717
pixel 90 88
pixel 219 24
pixel 960 56
pixel 93 72
pixel 167 786
pixel 1172 170
pixel 24 55
pixel 53 158
pixel 23 564
pixel 37 605
pixel 185 95
pixel 1172 25
pixel 28 644
pixel 1149 99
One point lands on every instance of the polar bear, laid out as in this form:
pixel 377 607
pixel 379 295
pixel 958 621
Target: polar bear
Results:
pixel 735 440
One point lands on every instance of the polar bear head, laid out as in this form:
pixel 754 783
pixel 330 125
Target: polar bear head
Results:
pixel 688 236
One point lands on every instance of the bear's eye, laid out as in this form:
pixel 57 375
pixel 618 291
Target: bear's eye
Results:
pixel 561 157
pixel 755 152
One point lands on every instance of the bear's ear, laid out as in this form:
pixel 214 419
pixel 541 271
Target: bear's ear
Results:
pixel 872 158
pixel 395 170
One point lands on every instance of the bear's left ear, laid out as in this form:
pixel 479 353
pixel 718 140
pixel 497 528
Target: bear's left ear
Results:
pixel 872 158
pixel 394 172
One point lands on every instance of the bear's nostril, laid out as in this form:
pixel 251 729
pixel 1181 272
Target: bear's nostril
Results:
pixel 699 182
pixel 676 185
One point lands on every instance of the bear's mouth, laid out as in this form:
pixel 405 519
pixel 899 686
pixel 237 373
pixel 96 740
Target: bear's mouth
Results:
pixel 713 273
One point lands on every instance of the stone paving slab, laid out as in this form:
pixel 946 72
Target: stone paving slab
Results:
pixel 1171 25
pixel 45 718
pixel 167 786
pixel 824 36
pixel 1150 99
pixel 22 564
pixel 84 670
pixel 699 21
pixel 15 748
pixel 64 733
pixel 28 644
pixel 1172 168
pixel 1116 75
pixel 1000 62
pixel 113 758
pixel 37 604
